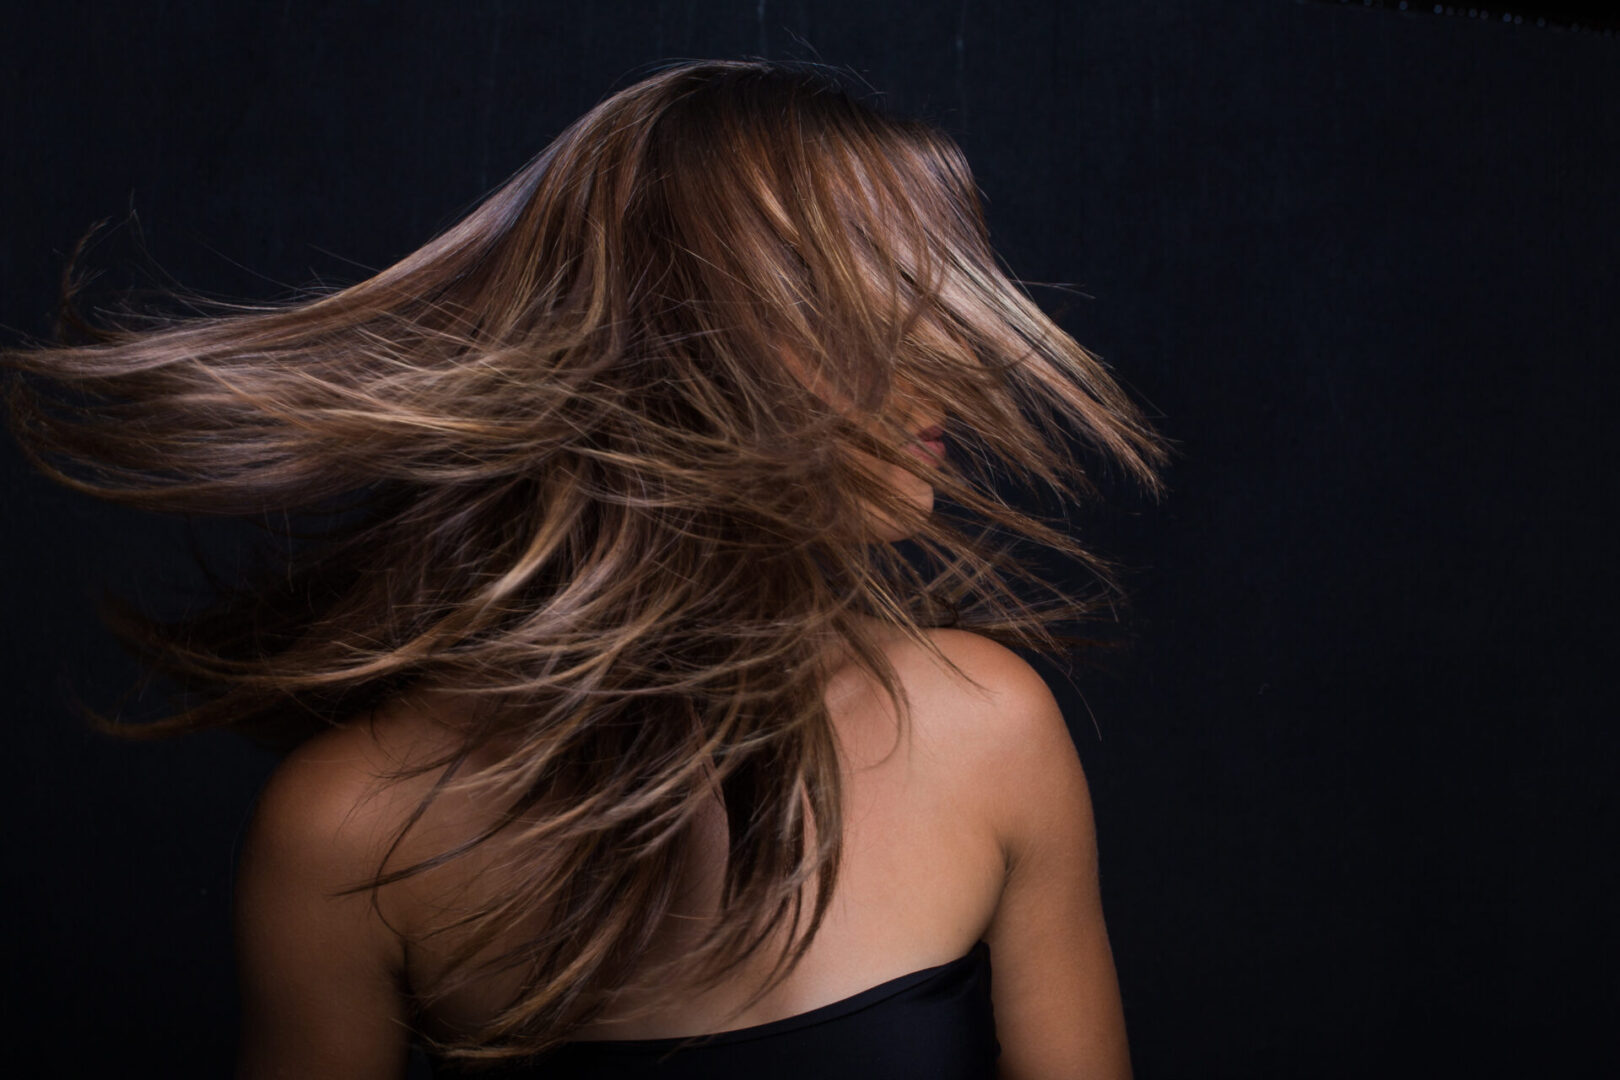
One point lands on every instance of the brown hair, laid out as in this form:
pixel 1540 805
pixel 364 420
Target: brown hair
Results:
pixel 601 447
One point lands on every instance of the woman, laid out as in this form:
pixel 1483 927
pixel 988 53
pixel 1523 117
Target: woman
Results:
pixel 618 717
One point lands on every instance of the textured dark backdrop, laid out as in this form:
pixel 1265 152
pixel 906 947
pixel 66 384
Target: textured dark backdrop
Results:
pixel 1352 782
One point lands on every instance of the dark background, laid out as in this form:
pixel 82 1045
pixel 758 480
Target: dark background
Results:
pixel 1352 781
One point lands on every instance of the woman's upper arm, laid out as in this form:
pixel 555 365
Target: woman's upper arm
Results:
pixel 319 974
pixel 1056 996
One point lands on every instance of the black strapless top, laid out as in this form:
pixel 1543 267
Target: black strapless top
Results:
pixel 934 1024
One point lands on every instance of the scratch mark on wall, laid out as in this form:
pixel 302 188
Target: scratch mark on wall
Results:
pixel 764 44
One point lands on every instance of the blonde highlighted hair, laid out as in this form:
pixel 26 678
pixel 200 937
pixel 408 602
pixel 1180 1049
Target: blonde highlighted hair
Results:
pixel 607 442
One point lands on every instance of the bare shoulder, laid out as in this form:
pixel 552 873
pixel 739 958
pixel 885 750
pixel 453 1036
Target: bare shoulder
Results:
pixel 1056 996
pixel 321 961
pixel 990 729
pixel 1003 677
pixel 334 796
pixel 1021 748
pixel 999 713
pixel 329 817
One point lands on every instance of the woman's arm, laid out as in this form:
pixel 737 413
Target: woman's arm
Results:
pixel 320 975
pixel 1057 1002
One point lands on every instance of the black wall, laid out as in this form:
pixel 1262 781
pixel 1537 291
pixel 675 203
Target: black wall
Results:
pixel 1352 782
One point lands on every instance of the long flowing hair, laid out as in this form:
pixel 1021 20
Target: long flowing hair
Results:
pixel 607 453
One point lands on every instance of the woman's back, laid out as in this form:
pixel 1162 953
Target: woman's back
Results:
pixel 931 830
pixel 921 872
